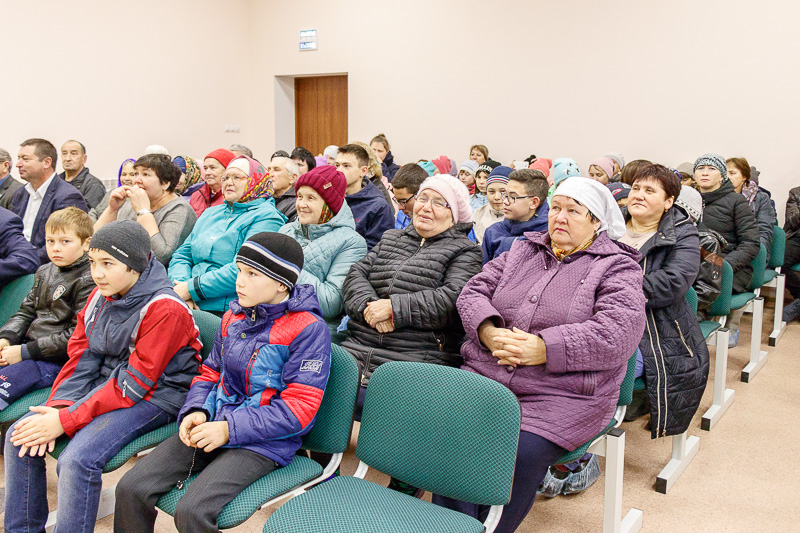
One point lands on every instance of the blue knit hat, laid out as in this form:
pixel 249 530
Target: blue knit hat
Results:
pixel 563 168
pixel 713 160
pixel 470 166
pixel 499 175
pixel 428 167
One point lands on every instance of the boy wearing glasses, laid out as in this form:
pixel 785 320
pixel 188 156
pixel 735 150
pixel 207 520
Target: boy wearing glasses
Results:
pixel 406 185
pixel 525 209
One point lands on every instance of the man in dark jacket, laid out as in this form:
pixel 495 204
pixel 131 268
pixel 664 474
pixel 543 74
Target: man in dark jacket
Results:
pixel 284 174
pixel 8 185
pixel 44 192
pixel 525 208
pixel 372 214
pixel 73 159
pixel 17 256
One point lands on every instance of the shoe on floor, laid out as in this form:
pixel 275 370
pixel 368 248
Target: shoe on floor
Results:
pixel 582 479
pixel 733 339
pixel 791 311
pixel 553 483
pixel 640 406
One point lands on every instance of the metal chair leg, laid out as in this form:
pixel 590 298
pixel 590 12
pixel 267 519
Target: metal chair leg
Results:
pixel 757 356
pixel 723 397
pixel 779 326
pixel 612 504
pixel 684 449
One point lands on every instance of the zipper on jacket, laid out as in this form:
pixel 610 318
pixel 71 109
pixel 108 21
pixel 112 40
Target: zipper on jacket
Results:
pixel 391 285
pixel 366 366
pixel 691 353
pixel 124 387
pixel 248 370
pixel 658 375
pixel 664 369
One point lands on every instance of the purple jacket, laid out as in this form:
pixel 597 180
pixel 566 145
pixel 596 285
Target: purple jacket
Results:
pixel 588 309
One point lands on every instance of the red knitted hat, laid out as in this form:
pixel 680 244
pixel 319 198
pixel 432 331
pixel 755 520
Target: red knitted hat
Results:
pixel 329 183
pixel 222 155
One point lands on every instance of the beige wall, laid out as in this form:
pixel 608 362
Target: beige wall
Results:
pixel 666 81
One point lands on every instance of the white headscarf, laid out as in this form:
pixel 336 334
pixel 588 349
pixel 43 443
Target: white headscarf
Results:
pixel 598 200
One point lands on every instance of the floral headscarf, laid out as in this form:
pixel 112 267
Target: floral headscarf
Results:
pixel 193 173
pixel 259 184
pixel 119 174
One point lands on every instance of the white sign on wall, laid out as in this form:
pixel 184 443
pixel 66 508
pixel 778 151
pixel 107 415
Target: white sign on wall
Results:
pixel 308 40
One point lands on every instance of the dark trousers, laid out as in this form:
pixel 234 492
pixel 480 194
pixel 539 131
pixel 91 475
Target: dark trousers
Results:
pixel 792 258
pixel 225 473
pixel 21 378
pixel 534 455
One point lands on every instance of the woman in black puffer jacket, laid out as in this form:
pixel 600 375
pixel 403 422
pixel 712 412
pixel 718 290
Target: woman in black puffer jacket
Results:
pixel 674 353
pixel 401 298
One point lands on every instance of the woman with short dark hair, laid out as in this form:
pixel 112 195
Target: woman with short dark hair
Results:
pixel 152 202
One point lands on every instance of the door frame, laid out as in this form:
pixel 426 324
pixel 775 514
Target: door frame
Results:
pixel 284 106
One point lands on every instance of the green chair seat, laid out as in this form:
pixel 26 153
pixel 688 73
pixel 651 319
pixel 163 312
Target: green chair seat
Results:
pixel 21 407
pixel 707 327
pixel 796 268
pixel 140 444
pixel 301 470
pixel 577 453
pixel 11 296
pixel 740 300
pixel 769 275
pixel 348 504
pixel 639 384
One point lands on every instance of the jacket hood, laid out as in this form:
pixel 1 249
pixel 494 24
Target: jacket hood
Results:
pixel 518 227
pixel 153 279
pixel 389 159
pixel 671 219
pixel 240 207
pixel 602 245
pixel 302 298
pixel 368 191
pixel 713 196
pixel 342 219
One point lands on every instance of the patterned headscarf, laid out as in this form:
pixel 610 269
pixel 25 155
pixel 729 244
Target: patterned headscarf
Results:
pixel 193 174
pixel 259 184
pixel 119 174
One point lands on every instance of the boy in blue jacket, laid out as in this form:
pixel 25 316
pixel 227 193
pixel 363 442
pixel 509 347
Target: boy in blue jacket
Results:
pixel 257 395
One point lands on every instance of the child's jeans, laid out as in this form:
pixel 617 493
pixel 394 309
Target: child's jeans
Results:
pixel 79 469
pixel 19 379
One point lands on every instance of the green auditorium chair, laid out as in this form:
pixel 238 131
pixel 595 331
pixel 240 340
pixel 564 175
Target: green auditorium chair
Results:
pixel 751 302
pixel 442 429
pixel 330 435
pixel 774 278
pixel 12 295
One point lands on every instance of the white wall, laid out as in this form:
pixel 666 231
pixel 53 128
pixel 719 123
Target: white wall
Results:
pixel 666 81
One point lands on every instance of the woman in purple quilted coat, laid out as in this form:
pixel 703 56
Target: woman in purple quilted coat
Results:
pixel 555 319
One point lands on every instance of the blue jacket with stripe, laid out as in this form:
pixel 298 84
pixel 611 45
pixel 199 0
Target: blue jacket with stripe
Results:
pixel 266 374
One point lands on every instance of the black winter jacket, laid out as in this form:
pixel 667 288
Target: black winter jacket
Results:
pixel 422 278
pixel 673 348
pixel 48 315
pixel 791 223
pixel 728 213
pixel 287 204
pixel 709 281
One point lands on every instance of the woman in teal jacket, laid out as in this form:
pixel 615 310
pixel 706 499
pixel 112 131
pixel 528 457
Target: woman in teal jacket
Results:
pixel 203 268
pixel 326 230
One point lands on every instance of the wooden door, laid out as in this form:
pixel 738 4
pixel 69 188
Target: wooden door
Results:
pixel 320 111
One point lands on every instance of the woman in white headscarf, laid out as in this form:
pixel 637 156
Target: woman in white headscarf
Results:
pixel 555 319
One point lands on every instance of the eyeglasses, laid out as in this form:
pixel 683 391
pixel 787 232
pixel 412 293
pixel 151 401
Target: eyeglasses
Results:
pixel 436 203
pixel 237 179
pixel 403 202
pixel 512 199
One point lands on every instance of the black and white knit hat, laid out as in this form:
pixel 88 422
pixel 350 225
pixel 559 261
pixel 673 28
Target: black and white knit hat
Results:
pixel 273 254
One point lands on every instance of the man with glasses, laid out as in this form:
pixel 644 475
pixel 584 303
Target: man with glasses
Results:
pixel 406 184
pixel 525 209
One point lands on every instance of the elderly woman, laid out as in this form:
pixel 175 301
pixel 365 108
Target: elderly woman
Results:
pixel 151 201
pixel 210 193
pixel 326 230
pixel 555 319
pixel 728 213
pixel 124 177
pixel 203 268
pixel 191 176
pixel 757 198
pixel 674 356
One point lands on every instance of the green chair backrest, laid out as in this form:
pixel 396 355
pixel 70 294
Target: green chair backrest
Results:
pixel 12 295
pixel 442 429
pixel 208 324
pixel 691 298
pixel 626 389
pixel 334 421
pixel 759 269
pixel 722 305
pixel 777 250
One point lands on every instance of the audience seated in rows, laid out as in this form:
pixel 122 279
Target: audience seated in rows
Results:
pixel 406 184
pixel 496 186
pixel 284 174
pixel 380 145
pixel 73 160
pixel 210 193
pixel 153 203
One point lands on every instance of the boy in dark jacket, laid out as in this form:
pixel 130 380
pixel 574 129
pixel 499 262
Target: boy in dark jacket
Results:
pixel 373 215
pixel 525 209
pixel 33 343
pixel 131 360
pixel 247 411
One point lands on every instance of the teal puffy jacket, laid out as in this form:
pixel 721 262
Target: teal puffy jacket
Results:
pixel 329 250
pixel 206 258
